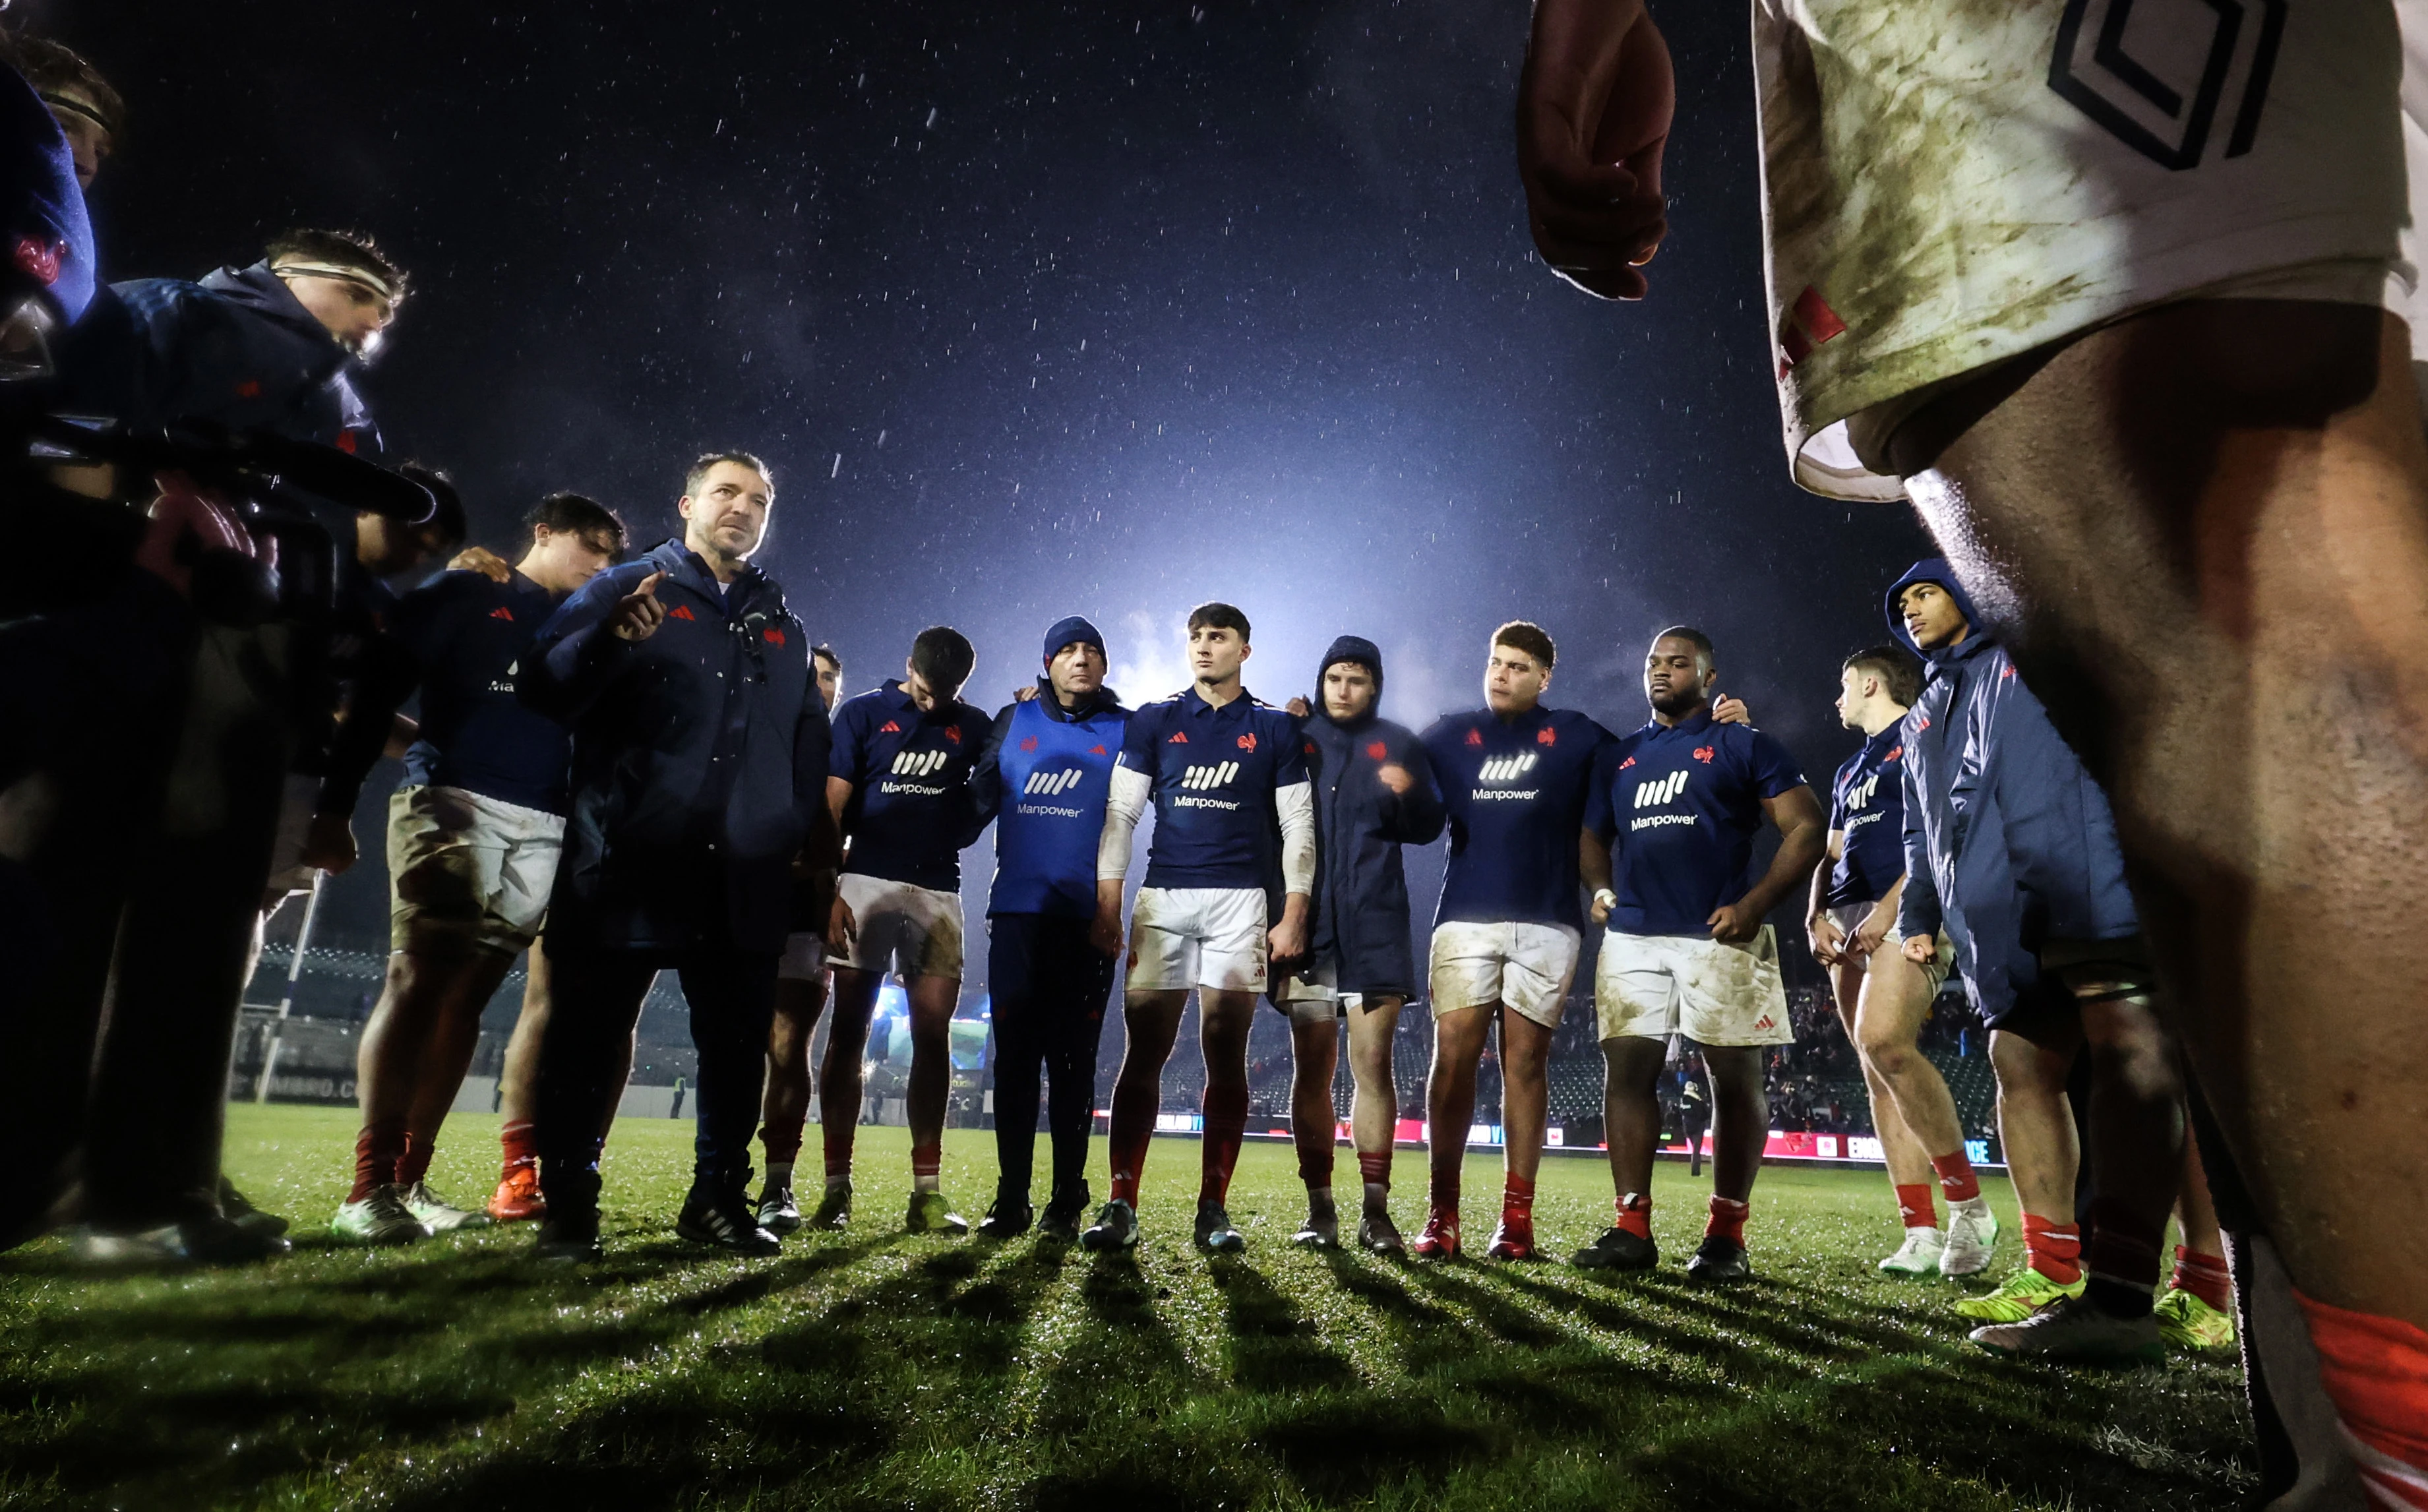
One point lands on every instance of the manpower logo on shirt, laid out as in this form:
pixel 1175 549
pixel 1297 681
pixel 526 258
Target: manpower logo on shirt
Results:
pixel 1661 791
pixel 1497 769
pixel 1198 778
pixel 1860 794
pixel 1051 784
pixel 918 763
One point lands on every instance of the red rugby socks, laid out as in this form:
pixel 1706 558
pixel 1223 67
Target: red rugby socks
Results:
pixel 1728 1220
pixel 2055 1250
pixel 1957 1182
pixel 1227 1120
pixel 2204 1276
pixel 1913 1206
pixel 1635 1214
pixel 377 1150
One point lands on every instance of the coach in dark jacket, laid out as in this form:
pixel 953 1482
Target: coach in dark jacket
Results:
pixel 1374 791
pixel 699 766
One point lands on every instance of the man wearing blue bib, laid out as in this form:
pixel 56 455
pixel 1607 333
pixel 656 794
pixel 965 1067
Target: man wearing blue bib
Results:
pixel 1042 777
pixel 1674 810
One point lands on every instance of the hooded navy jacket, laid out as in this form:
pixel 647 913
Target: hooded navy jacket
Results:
pixel 236 348
pixel 2008 841
pixel 1361 890
pixel 700 759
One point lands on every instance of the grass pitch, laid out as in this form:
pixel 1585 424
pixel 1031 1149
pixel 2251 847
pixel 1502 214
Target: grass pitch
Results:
pixel 875 1370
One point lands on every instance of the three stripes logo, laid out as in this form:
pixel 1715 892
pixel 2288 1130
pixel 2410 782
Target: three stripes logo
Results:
pixel 1198 778
pixel 1660 791
pixel 918 763
pixel 1507 769
pixel 1053 784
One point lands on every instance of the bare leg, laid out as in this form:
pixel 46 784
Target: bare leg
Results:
pixel 842 1075
pixel 2036 1122
pixel 2203 532
pixel 446 1053
pixel 1315 1054
pixel 1374 1109
pixel 785 1112
pixel 1631 1110
pixel 1150 1021
pixel 2137 1130
pixel 1909 1163
pixel 2194 1212
pixel 1525 1094
pixel 388 1066
pixel 1223 1019
pixel 1449 1097
pixel 932 999
pixel 1896 1000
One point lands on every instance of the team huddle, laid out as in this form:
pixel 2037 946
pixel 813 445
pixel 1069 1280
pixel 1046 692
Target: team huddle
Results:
pixel 654 760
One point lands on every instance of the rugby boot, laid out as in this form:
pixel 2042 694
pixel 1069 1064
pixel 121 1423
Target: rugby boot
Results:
pixel 1972 1232
pixel 569 1237
pixel 436 1213
pixel 929 1214
pixel 2073 1331
pixel 834 1208
pixel 150 1247
pixel 1513 1239
pixel 1116 1228
pixel 2187 1321
pixel 381 1218
pixel 777 1213
pixel 1008 1218
pixel 517 1199
pixel 1215 1234
pixel 1918 1255
pixel 1321 1231
pixel 1718 1262
pixel 722 1217
pixel 222 1241
pixel 242 1212
pixel 2019 1296
pixel 1618 1249
pixel 1440 1238
pixel 1063 1212
pixel 1378 1235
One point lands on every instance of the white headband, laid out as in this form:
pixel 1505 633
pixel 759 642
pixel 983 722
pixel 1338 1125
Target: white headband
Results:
pixel 351 275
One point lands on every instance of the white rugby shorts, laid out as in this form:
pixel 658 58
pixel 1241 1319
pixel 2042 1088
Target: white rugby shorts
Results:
pixel 1184 937
pixel 804 958
pixel 909 930
pixel 1851 914
pixel 1314 995
pixel 1526 966
pixel 1948 185
pixel 468 869
pixel 1653 986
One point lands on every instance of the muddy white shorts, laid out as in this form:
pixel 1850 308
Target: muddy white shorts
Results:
pixel 1314 995
pixel 909 930
pixel 1184 937
pixel 1526 966
pixel 1850 915
pixel 804 958
pixel 468 870
pixel 1653 986
pixel 1949 184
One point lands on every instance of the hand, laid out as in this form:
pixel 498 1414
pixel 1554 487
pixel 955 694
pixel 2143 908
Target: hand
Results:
pixel 1822 932
pixel 1593 107
pixel 1868 935
pixel 1297 707
pixel 1733 923
pixel 1026 693
pixel 1287 940
pixel 329 845
pixel 1920 949
pixel 1729 710
pixel 1395 777
pixel 1603 901
pixel 638 614
pixel 483 561
pixel 1105 933
pixel 841 928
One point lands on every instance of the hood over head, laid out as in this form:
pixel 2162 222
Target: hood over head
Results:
pixel 1365 653
pixel 1932 569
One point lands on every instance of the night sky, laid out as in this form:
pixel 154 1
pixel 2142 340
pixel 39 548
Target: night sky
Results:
pixel 1040 310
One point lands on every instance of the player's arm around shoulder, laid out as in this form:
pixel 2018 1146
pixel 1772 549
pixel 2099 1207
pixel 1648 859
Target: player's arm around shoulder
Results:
pixel 573 657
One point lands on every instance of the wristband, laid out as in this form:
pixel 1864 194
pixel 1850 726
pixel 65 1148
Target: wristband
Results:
pixel 1605 898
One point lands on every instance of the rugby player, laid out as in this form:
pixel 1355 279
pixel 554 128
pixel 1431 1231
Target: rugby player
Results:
pixel 2188 345
pixel 1374 791
pixel 473 837
pixel 800 997
pixel 899 792
pixel 1882 998
pixel 1227 775
pixel 1667 848
pixel 1042 777
pixel 1514 776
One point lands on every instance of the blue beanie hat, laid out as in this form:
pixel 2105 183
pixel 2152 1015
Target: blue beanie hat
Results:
pixel 1073 628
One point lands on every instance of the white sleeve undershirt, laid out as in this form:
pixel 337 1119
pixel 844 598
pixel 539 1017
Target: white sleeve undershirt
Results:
pixel 1124 805
pixel 1294 806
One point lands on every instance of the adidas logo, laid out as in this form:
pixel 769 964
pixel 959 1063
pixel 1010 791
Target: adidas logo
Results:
pixel 889 728
pixel 1765 1022
pixel 1053 784
pixel 1507 769
pixel 501 612
pixel 1218 775
pixel 681 611
pixel 1861 794
pixel 1660 791
pixel 918 763
pixel 1095 751
pixel 1179 737
pixel 1475 737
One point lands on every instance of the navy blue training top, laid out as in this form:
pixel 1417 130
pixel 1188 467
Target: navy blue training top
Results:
pixel 465 631
pixel 1516 790
pixel 1867 807
pixel 908 814
pixel 1681 805
pixel 1045 777
pixel 1214 772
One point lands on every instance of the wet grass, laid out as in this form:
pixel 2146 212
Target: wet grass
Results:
pixel 873 1370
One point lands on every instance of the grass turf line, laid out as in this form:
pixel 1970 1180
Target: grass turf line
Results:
pixel 873 1369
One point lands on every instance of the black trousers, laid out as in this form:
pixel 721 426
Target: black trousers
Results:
pixel 1050 986
pixel 597 996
